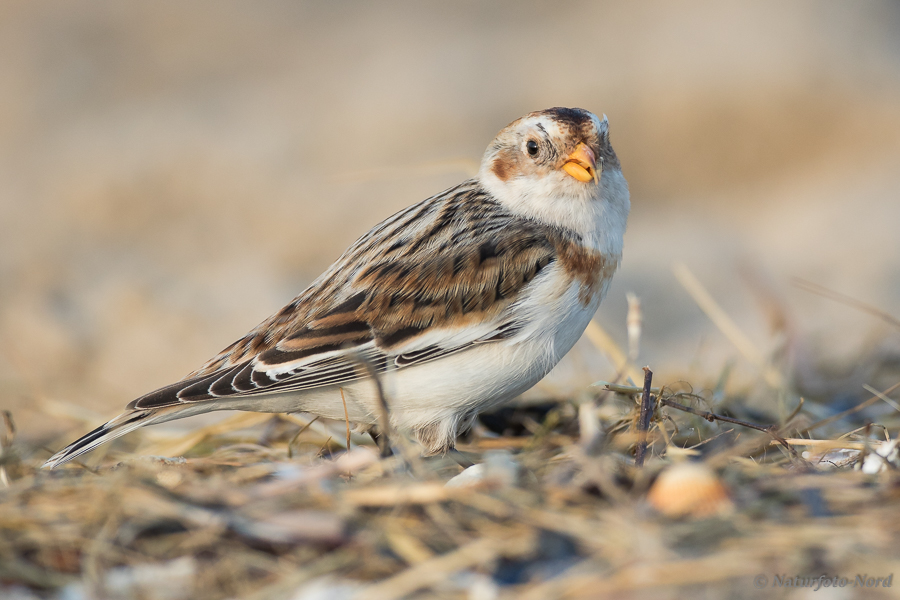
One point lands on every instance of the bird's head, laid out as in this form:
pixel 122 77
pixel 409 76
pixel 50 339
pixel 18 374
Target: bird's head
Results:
pixel 557 166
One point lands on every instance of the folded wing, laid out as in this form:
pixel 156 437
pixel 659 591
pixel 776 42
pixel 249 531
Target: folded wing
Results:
pixel 432 280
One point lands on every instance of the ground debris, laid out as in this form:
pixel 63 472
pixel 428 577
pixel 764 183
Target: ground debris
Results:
pixel 543 514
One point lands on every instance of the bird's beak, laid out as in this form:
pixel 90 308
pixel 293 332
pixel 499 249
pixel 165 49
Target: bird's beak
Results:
pixel 582 165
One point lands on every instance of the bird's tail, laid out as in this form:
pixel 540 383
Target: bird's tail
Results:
pixel 119 426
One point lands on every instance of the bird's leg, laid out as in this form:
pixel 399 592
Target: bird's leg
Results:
pixel 460 458
pixel 382 441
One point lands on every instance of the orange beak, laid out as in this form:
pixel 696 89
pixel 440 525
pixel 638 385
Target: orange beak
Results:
pixel 582 165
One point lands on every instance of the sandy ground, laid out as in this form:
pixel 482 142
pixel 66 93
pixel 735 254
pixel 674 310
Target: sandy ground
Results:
pixel 171 174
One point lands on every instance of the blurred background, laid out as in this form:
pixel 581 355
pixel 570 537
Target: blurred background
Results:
pixel 172 173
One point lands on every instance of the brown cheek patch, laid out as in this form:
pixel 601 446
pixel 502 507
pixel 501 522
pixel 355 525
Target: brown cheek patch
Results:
pixel 500 169
pixel 504 165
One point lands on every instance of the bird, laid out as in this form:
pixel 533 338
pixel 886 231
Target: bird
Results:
pixel 446 309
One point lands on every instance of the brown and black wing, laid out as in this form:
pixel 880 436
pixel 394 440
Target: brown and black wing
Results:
pixel 432 280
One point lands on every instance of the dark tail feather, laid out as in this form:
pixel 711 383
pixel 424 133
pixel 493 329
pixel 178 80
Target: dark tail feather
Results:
pixel 124 423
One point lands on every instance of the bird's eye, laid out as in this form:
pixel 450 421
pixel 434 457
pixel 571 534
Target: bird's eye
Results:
pixel 532 147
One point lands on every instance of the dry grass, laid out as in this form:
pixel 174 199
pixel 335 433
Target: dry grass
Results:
pixel 277 507
pixel 553 518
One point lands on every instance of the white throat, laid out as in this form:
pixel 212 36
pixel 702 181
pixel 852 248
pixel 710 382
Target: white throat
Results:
pixel 598 214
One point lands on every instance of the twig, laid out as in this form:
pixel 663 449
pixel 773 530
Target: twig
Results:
pixel 384 416
pixel 708 440
pixel 618 388
pixel 9 430
pixel 634 324
pixel 297 435
pixel 324 447
pixel 819 290
pixel 872 390
pixel 867 448
pixel 850 411
pixel 725 324
pixel 346 417
pixel 644 420
pixel 409 456
pixel 9 434
pixel 794 412
pixel 423 575
pixel 603 342
pixel 712 417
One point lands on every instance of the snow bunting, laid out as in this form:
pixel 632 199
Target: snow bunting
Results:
pixel 458 303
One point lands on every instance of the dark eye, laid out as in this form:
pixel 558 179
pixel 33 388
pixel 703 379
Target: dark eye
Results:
pixel 532 147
